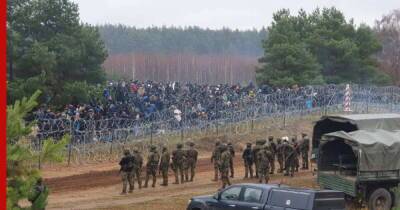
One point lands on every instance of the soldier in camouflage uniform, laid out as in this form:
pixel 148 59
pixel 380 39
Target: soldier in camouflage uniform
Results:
pixel 305 149
pixel 137 168
pixel 280 155
pixel 290 158
pixel 178 159
pixel 272 148
pixel 216 156
pixel 248 161
pixel 152 166
pixel 185 165
pixel 263 157
pixel 192 160
pixel 223 165
pixel 164 165
pixel 126 164
pixel 232 151
pixel 258 147
pixel 297 148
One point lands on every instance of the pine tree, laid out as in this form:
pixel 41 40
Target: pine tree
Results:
pixel 21 174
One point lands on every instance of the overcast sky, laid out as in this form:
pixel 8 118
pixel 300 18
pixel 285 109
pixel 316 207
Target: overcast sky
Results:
pixel 236 14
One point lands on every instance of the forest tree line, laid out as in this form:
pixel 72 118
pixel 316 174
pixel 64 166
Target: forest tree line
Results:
pixel 157 51
pixel 127 39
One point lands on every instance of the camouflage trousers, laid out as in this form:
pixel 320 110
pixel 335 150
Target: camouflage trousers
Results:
pixel 248 167
pixel 305 160
pixel 290 165
pixel 216 171
pixel 280 162
pixel 164 173
pixel 151 171
pixel 231 168
pixel 127 178
pixel 272 164
pixel 137 173
pixel 192 169
pixel 225 177
pixel 256 167
pixel 178 171
pixel 263 173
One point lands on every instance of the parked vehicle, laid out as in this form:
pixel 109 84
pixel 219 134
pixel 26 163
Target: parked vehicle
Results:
pixel 364 164
pixel 353 122
pixel 268 197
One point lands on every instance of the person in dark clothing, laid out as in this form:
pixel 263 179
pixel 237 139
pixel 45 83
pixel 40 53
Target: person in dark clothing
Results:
pixel 248 161
pixel 126 171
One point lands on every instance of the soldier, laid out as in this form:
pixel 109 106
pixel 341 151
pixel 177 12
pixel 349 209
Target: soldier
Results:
pixel 248 161
pixel 297 148
pixel 178 158
pixel 223 165
pixel 216 155
pixel 137 167
pixel 290 158
pixel 126 171
pixel 232 152
pixel 272 148
pixel 192 160
pixel 152 165
pixel 164 165
pixel 255 151
pixel 305 147
pixel 280 154
pixel 263 157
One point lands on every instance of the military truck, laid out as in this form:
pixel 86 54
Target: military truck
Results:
pixel 353 122
pixel 364 164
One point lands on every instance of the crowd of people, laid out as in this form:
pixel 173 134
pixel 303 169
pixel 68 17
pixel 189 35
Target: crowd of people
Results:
pixel 135 103
pixel 183 162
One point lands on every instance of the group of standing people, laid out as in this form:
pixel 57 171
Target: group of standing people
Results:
pixel 182 162
pixel 264 155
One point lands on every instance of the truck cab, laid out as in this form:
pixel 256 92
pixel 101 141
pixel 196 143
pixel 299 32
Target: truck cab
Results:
pixel 268 197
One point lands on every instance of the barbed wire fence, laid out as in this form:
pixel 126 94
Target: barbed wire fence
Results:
pixel 103 140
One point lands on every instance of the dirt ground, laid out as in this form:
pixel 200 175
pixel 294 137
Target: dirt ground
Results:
pixel 98 185
pixel 99 189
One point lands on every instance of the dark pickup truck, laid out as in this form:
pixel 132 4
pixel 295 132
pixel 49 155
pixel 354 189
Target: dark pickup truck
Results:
pixel 268 197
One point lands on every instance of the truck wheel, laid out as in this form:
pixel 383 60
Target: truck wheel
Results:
pixel 380 199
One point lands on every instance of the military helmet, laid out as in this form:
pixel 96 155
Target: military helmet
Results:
pixel 179 145
pixel 126 152
pixel 223 147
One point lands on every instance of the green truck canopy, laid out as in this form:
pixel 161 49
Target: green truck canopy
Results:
pixel 353 122
pixel 377 150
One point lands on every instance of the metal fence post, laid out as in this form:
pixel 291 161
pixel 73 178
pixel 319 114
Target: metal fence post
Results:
pixel 70 142
pixel 151 133
pixel 40 152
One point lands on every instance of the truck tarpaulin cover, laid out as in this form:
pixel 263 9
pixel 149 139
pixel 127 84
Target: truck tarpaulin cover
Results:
pixel 354 122
pixel 380 149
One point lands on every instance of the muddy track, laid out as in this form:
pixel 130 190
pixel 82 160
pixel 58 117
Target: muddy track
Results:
pixel 108 178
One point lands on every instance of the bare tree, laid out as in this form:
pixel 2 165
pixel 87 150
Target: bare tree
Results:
pixel 388 31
